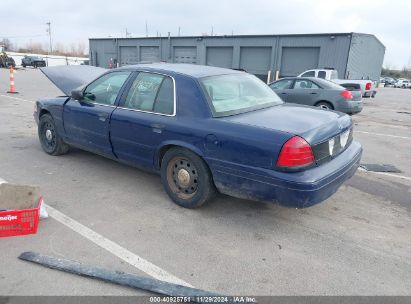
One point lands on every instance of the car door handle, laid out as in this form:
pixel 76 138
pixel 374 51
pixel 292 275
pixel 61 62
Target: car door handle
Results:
pixel 283 93
pixel 313 93
pixel 157 128
pixel 102 116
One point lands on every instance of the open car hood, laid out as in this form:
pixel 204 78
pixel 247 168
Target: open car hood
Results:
pixel 70 77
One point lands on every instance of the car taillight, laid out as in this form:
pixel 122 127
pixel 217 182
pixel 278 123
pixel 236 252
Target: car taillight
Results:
pixel 368 86
pixel 295 152
pixel 346 94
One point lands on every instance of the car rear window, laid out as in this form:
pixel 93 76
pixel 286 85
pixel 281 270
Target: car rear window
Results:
pixel 237 93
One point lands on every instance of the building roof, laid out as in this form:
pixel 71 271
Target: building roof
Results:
pixel 230 36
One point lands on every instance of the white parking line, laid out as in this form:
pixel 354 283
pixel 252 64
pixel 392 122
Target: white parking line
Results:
pixel 381 134
pixel 122 253
pixel 115 249
pixel 16 98
pixel 385 173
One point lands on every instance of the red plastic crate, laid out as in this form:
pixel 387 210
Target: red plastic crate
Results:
pixel 20 222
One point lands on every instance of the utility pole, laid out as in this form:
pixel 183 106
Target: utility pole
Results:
pixel 146 29
pixel 179 31
pixel 50 45
pixel 212 30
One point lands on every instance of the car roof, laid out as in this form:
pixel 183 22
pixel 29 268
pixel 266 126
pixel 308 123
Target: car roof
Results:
pixel 193 70
pixel 327 84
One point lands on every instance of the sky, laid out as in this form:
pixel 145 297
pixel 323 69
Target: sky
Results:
pixel 75 21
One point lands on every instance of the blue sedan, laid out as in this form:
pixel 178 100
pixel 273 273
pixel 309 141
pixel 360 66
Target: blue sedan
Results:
pixel 203 129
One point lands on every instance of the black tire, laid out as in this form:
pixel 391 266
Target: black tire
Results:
pixel 324 105
pixel 23 65
pixel 50 140
pixel 186 178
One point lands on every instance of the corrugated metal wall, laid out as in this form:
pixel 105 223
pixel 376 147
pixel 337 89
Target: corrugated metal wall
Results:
pixel 289 54
pixel 365 57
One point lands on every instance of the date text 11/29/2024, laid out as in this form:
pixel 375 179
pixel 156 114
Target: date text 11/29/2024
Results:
pixel 203 299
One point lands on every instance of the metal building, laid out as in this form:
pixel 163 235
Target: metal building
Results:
pixel 354 55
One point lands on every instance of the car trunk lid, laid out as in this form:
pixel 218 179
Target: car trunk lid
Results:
pixel 315 125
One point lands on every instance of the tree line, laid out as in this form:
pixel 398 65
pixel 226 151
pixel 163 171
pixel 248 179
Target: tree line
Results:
pixel 404 73
pixel 72 49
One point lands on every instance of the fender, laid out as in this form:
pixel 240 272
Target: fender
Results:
pixel 55 107
pixel 157 154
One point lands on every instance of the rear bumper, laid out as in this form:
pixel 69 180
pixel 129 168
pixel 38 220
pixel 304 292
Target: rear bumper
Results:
pixel 350 107
pixel 290 189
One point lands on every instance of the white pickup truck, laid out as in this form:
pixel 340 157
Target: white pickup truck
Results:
pixel 368 87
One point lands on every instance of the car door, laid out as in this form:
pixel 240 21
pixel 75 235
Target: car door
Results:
pixel 304 92
pixel 142 120
pixel 86 121
pixel 282 88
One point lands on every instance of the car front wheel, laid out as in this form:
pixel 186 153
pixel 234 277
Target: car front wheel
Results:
pixel 186 178
pixel 50 140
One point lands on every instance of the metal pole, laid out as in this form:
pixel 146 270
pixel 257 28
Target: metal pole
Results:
pixel 50 45
pixel 146 29
pixel 269 77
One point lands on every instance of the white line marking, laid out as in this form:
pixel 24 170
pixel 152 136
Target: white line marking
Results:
pixel 381 134
pixel 122 253
pixel 17 98
pixel 385 173
pixel 115 249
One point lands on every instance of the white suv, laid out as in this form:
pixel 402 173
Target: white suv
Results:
pixel 402 83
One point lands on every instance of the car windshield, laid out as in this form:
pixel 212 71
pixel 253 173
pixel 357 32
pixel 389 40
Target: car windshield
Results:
pixel 237 93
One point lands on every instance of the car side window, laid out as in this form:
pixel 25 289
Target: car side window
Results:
pixel 308 74
pixel 152 93
pixel 281 84
pixel 105 89
pixel 322 74
pixel 305 84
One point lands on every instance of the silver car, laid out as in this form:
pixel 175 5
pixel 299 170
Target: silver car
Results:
pixel 318 92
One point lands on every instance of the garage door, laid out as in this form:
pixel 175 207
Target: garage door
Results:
pixel 220 57
pixel 255 60
pixel 185 54
pixel 295 60
pixel 150 53
pixel 128 55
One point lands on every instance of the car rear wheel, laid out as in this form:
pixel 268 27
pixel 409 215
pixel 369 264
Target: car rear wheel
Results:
pixel 50 140
pixel 325 105
pixel 186 178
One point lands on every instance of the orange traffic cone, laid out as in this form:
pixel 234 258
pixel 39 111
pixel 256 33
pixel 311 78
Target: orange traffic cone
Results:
pixel 12 88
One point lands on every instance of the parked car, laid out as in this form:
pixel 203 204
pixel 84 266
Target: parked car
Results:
pixel 388 81
pixel 319 93
pixel 402 83
pixel 33 61
pixel 354 88
pixel 203 129
pixel 368 87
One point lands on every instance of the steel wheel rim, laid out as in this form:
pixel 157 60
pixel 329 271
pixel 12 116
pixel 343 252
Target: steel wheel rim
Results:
pixel 48 136
pixel 182 177
pixel 324 107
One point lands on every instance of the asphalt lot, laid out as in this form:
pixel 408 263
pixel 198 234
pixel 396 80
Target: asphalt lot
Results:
pixel 355 243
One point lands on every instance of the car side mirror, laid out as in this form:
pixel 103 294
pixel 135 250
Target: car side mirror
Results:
pixel 77 94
